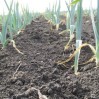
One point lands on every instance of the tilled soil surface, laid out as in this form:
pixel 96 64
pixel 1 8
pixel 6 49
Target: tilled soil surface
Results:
pixel 36 74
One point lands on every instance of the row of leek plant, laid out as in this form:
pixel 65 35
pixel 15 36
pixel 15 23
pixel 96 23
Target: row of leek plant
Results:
pixel 53 14
pixel 18 20
pixel 78 34
pixel 14 22
pixel 79 44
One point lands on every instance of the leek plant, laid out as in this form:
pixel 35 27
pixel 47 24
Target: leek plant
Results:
pixel 48 13
pixel 78 34
pixel 3 33
pixel 5 26
pixel 27 16
pixel 78 29
pixel 53 14
pixel 0 19
pixel 14 23
pixel 96 30
pixel 18 20
pixel 70 21
pixel 67 21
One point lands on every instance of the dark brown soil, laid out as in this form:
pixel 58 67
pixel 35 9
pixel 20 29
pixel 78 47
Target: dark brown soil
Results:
pixel 35 73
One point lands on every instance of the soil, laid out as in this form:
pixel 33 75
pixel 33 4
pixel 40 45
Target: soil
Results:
pixel 35 74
